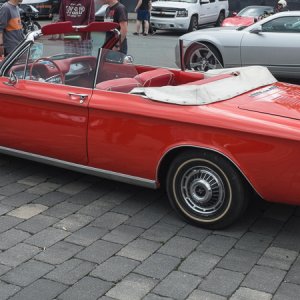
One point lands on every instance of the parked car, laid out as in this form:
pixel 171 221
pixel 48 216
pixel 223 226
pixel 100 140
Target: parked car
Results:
pixel 209 140
pixel 100 13
pixel 272 42
pixel 248 15
pixel 29 15
pixel 43 6
pixel 187 15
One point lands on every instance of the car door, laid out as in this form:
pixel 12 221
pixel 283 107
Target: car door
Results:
pixel 213 11
pixel 43 118
pixel 204 12
pixel 276 46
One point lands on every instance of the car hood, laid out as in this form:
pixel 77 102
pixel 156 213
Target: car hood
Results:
pixel 238 21
pixel 281 100
pixel 191 36
pixel 171 4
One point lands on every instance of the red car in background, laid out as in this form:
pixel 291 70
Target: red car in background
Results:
pixel 248 16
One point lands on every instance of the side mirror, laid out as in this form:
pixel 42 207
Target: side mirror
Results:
pixel 13 79
pixel 234 14
pixel 128 59
pixel 257 30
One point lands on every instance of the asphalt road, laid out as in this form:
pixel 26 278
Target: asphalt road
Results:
pixel 68 236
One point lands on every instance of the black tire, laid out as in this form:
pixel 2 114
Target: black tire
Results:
pixel 193 24
pixel 196 57
pixel 220 20
pixel 206 190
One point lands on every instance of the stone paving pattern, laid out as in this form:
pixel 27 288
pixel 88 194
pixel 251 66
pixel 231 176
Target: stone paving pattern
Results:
pixel 68 236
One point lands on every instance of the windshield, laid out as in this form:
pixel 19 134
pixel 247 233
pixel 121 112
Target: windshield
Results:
pixel 186 1
pixel 255 11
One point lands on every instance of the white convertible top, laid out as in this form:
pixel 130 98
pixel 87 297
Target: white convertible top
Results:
pixel 245 79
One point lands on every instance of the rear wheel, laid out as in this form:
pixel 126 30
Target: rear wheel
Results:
pixel 205 189
pixel 193 24
pixel 202 57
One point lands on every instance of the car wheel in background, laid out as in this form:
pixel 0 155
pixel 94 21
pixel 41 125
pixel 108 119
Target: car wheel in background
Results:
pixel 193 24
pixel 220 20
pixel 206 189
pixel 202 57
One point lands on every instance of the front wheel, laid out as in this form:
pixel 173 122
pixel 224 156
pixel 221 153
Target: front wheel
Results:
pixel 202 57
pixel 205 189
pixel 193 24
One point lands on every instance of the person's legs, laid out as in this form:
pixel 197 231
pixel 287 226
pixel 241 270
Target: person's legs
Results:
pixel 138 26
pixel 146 27
pixel 146 21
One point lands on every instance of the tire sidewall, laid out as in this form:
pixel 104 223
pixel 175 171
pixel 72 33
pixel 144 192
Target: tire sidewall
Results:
pixel 231 207
pixel 195 47
pixel 193 21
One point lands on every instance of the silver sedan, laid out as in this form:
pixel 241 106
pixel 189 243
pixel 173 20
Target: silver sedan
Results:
pixel 273 42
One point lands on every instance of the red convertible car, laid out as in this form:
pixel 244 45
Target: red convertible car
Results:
pixel 209 139
pixel 248 15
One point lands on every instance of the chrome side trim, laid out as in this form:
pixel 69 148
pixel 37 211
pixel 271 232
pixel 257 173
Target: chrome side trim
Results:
pixel 81 168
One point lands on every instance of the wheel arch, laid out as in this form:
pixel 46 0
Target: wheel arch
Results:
pixel 207 43
pixel 170 155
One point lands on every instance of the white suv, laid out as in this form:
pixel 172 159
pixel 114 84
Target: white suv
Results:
pixel 187 15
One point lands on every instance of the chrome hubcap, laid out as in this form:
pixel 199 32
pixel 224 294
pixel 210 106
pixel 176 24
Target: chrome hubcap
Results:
pixel 202 190
pixel 203 60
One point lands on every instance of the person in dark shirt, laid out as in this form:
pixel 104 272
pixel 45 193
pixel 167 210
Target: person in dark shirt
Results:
pixel 54 11
pixel 11 33
pixel 79 12
pixel 281 6
pixel 143 15
pixel 117 12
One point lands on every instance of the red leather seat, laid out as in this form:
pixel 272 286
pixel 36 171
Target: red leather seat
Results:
pixel 158 77
pixel 123 85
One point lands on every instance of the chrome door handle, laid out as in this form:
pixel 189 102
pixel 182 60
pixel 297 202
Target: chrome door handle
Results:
pixel 81 97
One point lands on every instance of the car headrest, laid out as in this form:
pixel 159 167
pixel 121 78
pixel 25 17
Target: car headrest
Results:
pixel 123 85
pixel 154 78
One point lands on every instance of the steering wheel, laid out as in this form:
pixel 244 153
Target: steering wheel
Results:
pixel 60 74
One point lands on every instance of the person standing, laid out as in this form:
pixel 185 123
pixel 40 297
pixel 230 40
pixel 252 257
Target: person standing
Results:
pixel 117 12
pixel 143 15
pixel 54 11
pixel 281 6
pixel 54 15
pixel 79 12
pixel 11 33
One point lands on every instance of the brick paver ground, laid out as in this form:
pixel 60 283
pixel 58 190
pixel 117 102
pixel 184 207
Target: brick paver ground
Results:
pixel 64 235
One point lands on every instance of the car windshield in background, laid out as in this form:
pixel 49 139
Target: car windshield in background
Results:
pixel 255 11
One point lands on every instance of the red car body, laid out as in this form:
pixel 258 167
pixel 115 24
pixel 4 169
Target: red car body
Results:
pixel 248 15
pixel 254 136
pixel 239 21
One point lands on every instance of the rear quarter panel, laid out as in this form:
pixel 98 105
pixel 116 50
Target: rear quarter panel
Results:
pixel 131 135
